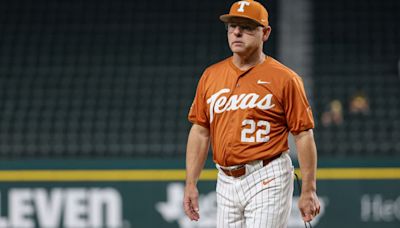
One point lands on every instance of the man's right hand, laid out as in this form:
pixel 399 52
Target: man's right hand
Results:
pixel 196 155
pixel 191 202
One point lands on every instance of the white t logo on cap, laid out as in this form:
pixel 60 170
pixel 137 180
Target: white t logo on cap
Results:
pixel 242 4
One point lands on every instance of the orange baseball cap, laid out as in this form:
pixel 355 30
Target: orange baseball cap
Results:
pixel 247 9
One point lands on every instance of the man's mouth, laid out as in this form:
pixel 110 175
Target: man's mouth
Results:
pixel 237 42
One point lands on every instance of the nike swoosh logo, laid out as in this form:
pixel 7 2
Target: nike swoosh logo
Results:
pixel 263 82
pixel 265 182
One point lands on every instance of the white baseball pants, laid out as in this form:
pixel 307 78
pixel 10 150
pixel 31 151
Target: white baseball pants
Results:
pixel 261 198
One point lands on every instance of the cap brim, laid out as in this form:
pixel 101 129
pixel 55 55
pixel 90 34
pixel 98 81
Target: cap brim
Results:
pixel 227 18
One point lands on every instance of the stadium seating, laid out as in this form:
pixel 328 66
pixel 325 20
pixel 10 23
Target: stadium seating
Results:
pixel 356 51
pixel 116 78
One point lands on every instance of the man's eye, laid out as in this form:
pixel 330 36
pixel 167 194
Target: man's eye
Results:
pixel 247 28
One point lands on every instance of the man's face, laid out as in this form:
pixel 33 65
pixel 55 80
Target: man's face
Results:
pixel 244 35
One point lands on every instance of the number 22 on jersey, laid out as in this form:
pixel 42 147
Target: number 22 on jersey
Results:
pixel 261 128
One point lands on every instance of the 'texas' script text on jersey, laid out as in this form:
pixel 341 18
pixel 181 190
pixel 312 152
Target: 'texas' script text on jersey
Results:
pixel 220 104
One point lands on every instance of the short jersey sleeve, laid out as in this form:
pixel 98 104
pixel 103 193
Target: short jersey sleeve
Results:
pixel 297 109
pixel 198 110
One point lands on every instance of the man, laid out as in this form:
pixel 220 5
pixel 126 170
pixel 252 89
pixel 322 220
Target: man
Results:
pixel 245 106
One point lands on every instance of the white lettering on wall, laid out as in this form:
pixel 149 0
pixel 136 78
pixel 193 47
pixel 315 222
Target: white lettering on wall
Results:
pixel 105 201
pixel 375 208
pixel 20 208
pixel 48 206
pixel 75 208
pixel 63 207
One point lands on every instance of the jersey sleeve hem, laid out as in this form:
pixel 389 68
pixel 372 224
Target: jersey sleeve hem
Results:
pixel 301 130
pixel 200 123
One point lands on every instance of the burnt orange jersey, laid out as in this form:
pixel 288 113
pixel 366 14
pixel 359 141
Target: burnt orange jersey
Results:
pixel 250 113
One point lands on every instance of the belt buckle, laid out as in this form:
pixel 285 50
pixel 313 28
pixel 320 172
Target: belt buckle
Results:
pixel 235 169
pixel 229 171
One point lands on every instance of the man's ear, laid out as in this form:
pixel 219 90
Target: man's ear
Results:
pixel 266 33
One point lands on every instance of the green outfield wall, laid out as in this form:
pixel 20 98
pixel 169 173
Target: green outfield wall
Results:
pixel 148 193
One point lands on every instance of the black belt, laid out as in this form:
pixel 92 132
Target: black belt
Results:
pixel 241 170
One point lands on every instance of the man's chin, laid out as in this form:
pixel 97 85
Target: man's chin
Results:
pixel 238 50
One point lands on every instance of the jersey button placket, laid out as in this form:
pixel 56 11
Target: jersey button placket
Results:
pixel 232 120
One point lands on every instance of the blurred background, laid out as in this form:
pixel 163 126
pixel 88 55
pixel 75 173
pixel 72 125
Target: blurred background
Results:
pixel 108 85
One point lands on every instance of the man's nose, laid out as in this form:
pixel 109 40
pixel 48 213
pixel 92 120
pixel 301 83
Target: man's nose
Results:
pixel 237 31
